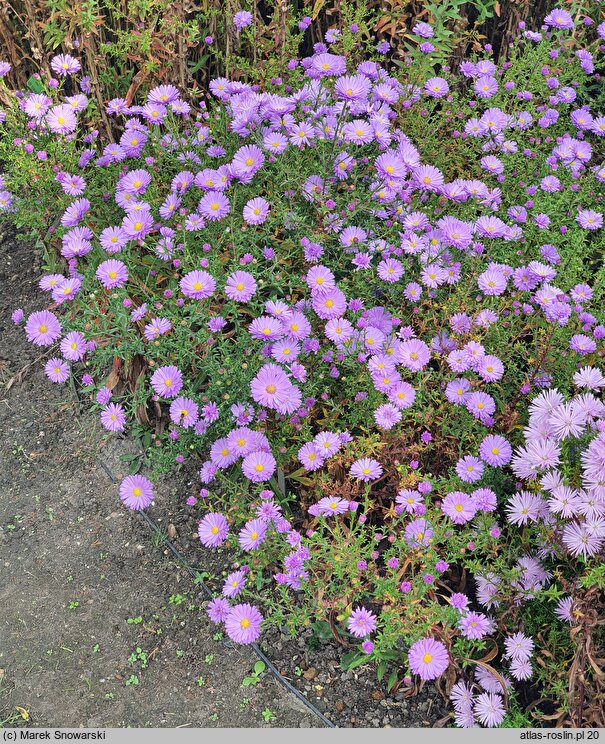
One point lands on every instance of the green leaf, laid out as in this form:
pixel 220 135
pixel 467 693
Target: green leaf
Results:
pixel 392 680
pixel 259 667
pixel 352 660
pixel 382 667
pixel 35 85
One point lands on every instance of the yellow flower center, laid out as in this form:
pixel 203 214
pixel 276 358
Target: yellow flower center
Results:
pixel 270 389
pixel 427 658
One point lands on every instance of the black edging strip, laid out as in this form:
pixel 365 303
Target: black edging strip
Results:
pixel 195 575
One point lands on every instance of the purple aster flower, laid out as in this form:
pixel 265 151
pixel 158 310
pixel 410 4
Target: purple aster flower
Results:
pixel 475 625
pixel 243 623
pixel 521 669
pixel 234 583
pixel 361 622
pixel 358 131
pixel 589 219
pixel 184 411
pixel 366 469
pixel 137 225
pixel 428 658
pixel 386 416
pixel 559 18
pixel 456 391
pixel 199 285
pixel 480 405
pixel 459 601
pixel 113 417
pixel 332 505
pixel 17 316
pixel 61 119
pixel 157 327
pixel 523 507
pixel 256 210
pixel 242 19
pixel 425 30
pixel 310 457
pixel 212 530
pixel 436 87
pixel 112 273
pixel 469 469
pixel 490 368
pixel 113 239
pixel 73 346
pixel 42 328
pixel 485 86
pixel 259 466
pixel 489 709
pixel 492 282
pixel 6 199
pixel 240 286
pixel 582 344
pixel 272 388
pixel 418 533
pixel 518 646
pixel 103 396
pixel 214 205
pixel 64 64
pixel 218 609
pixel 352 87
pixel 57 370
pixel 136 492
pixel 413 354
pixel 167 381
pixel 590 378
pixel 247 161
pixel 327 65
pixel 495 451
pixel 401 394
pixel 459 507
pixel 565 610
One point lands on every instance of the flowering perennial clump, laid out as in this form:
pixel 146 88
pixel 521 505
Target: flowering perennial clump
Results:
pixel 366 304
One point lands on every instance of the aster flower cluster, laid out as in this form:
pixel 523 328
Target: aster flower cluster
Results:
pixel 562 462
pixel 303 289
pixel 481 701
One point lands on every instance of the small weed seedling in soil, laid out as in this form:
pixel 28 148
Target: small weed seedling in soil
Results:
pixel 254 676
